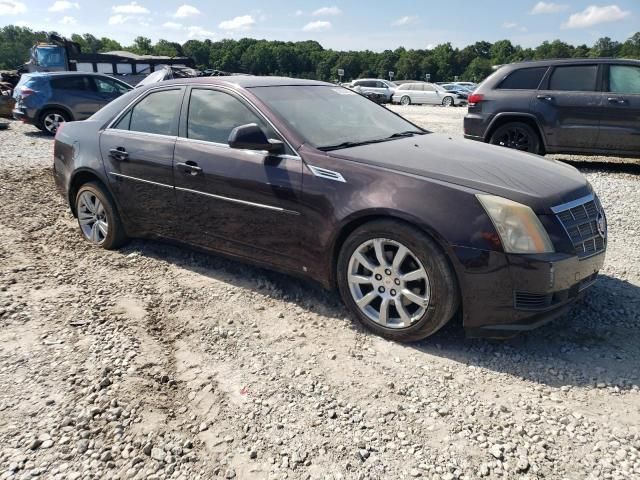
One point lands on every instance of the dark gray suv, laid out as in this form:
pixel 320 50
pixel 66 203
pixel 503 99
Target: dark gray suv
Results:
pixel 588 106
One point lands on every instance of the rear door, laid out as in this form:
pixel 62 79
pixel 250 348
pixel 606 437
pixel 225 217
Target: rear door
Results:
pixel 430 94
pixel 620 123
pixel 138 156
pixel 241 201
pixel 568 106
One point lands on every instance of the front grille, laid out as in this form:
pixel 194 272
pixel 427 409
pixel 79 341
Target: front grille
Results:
pixel 585 223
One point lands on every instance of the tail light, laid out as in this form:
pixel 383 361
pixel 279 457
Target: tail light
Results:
pixel 475 98
pixel 26 91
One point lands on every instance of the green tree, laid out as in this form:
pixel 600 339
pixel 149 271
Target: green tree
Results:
pixel 142 46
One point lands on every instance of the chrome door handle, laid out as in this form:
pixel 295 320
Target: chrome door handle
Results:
pixel 548 98
pixel 189 168
pixel 616 100
pixel 119 154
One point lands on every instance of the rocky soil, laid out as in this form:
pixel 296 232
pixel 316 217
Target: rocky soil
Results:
pixel 157 362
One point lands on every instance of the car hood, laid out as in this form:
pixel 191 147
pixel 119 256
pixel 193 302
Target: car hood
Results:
pixel 526 178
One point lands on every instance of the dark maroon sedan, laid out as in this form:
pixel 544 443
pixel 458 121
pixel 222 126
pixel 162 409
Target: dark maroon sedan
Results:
pixel 313 179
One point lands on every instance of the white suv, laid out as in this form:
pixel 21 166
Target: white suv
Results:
pixel 375 85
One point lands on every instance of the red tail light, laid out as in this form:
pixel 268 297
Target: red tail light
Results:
pixel 26 91
pixel 475 98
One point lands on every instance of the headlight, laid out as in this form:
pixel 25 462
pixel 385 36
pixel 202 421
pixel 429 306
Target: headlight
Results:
pixel 519 228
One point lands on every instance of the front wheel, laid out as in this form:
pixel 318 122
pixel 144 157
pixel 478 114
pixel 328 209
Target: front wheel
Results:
pixel 405 100
pixel 517 135
pixel 396 281
pixel 98 218
pixel 447 101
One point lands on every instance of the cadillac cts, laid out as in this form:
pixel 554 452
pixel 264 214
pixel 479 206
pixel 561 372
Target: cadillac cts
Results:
pixel 313 179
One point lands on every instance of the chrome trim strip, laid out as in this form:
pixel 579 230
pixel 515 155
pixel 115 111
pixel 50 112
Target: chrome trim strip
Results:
pixel 572 204
pixel 140 180
pixel 245 150
pixel 196 85
pixel 326 174
pixel 144 134
pixel 242 202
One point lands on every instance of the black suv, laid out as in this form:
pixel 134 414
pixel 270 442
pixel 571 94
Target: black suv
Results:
pixel 588 106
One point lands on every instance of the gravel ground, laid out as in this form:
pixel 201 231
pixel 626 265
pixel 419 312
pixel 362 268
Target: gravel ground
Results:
pixel 158 362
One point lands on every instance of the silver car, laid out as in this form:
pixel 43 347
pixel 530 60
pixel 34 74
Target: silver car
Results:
pixel 374 85
pixel 426 93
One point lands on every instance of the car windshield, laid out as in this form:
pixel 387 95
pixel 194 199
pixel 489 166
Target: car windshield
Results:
pixel 50 57
pixel 330 117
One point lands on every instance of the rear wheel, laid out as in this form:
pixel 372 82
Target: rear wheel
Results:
pixel 517 135
pixel 396 281
pixel 447 101
pixel 52 119
pixel 405 100
pixel 98 218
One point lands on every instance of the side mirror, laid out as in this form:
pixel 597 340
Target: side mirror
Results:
pixel 251 137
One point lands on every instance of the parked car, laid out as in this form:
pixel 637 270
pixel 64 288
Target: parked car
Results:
pixel 48 99
pixel 469 85
pixel 464 92
pixel 426 93
pixel 365 86
pixel 587 106
pixel 313 179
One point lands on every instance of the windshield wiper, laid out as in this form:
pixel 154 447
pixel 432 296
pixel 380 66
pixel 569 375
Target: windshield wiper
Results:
pixel 408 133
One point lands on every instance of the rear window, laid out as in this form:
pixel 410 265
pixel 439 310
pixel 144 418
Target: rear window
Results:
pixel 524 79
pixel 624 79
pixel 574 78
pixel 77 82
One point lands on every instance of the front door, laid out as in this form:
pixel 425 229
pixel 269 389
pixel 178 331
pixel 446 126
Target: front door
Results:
pixel 568 106
pixel 620 124
pixel 241 201
pixel 138 157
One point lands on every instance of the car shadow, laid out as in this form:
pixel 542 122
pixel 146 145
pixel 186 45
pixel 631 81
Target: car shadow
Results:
pixel 38 134
pixel 596 343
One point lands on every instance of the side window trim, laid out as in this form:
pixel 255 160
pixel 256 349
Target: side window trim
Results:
pixel 184 112
pixel 599 77
pixel 126 111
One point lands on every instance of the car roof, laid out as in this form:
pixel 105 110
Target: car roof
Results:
pixel 70 74
pixel 570 61
pixel 247 81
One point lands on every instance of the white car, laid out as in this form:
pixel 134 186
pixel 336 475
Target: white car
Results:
pixel 426 93
pixel 374 85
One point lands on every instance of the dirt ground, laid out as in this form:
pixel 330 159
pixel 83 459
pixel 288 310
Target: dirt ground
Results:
pixel 158 362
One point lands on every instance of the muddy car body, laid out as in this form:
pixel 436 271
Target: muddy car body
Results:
pixel 410 226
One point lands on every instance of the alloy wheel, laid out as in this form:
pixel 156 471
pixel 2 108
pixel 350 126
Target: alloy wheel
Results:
pixel 447 102
pixel 92 217
pixel 405 100
pixel 516 138
pixel 388 283
pixel 52 121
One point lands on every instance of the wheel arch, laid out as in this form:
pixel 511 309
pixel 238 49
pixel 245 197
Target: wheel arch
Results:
pixel 354 222
pixel 507 117
pixel 55 106
pixel 79 178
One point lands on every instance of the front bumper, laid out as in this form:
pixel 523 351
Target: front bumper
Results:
pixel 503 294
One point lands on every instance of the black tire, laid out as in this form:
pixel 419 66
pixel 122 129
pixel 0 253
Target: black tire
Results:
pixel 116 236
pixel 44 123
pixel 444 296
pixel 405 100
pixel 517 135
pixel 448 101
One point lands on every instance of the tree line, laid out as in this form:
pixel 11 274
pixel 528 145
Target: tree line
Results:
pixel 309 59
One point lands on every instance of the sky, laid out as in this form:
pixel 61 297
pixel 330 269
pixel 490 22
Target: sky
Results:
pixel 342 25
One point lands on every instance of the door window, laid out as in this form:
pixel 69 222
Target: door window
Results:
pixel 105 85
pixel 213 114
pixel 429 88
pixel 155 113
pixel 524 79
pixel 624 79
pixel 574 78
pixel 75 82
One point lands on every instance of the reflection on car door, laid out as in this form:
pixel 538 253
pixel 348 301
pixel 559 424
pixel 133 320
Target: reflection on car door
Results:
pixel 241 201
pixel 568 105
pixel 620 123
pixel 138 156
